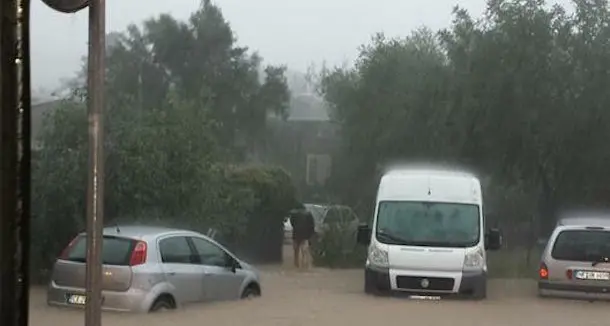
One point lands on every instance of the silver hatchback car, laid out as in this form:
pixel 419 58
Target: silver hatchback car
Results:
pixel 576 261
pixel 146 269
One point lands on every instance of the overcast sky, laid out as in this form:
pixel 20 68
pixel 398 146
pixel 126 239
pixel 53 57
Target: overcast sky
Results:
pixel 289 32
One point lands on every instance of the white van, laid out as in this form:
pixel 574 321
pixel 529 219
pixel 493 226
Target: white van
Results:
pixel 428 235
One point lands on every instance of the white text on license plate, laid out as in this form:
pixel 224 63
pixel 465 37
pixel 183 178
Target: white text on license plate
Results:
pixel 77 299
pixel 584 275
pixel 425 297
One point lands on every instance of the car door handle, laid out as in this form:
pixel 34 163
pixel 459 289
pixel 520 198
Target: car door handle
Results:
pixel 171 273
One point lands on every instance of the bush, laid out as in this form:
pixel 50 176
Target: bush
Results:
pixel 514 263
pixel 163 167
pixel 274 195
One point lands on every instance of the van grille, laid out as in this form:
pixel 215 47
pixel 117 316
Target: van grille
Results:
pixel 434 283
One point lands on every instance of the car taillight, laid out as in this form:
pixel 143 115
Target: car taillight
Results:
pixel 66 252
pixel 569 274
pixel 138 255
pixel 543 272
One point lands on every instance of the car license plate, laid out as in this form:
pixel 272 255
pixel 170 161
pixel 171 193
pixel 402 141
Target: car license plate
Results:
pixel 77 299
pixel 587 275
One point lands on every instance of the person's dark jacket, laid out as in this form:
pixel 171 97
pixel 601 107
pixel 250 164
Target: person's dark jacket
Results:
pixel 303 225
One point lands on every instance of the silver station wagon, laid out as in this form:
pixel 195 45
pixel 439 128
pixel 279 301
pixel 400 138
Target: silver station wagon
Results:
pixel 576 261
pixel 147 269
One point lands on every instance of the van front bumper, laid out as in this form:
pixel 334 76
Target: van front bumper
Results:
pixel 473 282
pixel 377 279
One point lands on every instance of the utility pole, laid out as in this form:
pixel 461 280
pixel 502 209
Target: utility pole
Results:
pixel 95 187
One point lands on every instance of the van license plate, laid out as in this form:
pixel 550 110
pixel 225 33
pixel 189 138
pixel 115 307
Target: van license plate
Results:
pixel 425 297
pixel 77 299
pixel 598 276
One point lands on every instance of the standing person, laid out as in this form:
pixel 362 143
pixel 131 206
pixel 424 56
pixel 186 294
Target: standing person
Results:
pixel 303 229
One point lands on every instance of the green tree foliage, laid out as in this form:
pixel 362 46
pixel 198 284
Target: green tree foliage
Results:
pixel 179 95
pixel 198 59
pixel 518 95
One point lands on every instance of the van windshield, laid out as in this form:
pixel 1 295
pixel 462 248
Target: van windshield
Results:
pixel 428 224
pixel 582 245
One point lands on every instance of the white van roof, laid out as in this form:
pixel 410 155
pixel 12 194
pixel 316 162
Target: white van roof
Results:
pixel 430 185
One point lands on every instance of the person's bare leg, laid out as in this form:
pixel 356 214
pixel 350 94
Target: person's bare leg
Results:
pixel 297 253
pixel 306 255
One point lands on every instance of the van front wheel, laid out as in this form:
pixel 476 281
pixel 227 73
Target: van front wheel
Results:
pixel 371 289
pixel 480 293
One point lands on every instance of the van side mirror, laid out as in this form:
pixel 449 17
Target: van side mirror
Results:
pixel 493 239
pixel 364 234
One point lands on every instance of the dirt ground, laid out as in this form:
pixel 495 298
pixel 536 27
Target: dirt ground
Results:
pixel 325 297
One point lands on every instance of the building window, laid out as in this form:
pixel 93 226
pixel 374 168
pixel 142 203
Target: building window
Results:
pixel 318 169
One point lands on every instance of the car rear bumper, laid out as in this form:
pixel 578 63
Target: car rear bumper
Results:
pixel 128 301
pixel 573 291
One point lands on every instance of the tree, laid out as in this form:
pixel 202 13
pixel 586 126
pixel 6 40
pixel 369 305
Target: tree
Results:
pixel 199 60
pixel 388 105
pixel 179 96
pixel 514 95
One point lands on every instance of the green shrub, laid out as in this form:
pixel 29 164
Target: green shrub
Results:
pixel 274 195
pixel 514 263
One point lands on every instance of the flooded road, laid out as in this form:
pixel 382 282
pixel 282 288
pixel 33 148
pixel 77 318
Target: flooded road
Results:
pixel 325 297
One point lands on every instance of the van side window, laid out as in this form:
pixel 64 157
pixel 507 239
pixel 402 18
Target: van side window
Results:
pixel 176 250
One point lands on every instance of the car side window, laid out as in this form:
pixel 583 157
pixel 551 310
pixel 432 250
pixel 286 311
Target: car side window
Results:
pixel 209 253
pixel 176 250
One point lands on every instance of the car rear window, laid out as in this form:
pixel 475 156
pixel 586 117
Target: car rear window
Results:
pixel 115 250
pixel 339 215
pixel 581 245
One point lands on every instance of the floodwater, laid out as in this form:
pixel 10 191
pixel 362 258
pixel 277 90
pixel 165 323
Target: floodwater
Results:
pixel 335 297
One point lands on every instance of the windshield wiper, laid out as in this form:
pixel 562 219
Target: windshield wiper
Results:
pixel 601 259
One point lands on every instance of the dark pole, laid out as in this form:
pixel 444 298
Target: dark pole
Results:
pixel 95 183
pixel 95 187
pixel 14 162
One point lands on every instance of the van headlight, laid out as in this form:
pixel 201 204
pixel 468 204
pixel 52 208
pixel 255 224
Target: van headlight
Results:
pixel 474 259
pixel 377 256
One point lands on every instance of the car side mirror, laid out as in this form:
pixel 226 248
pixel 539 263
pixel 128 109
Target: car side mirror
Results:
pixel 364 234
pixel 231 263
pixel 493 239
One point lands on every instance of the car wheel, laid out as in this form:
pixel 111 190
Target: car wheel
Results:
pixel 162 304
pixel 250 292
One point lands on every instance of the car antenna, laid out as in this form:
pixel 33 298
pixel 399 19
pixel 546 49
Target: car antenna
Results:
pixel 116 225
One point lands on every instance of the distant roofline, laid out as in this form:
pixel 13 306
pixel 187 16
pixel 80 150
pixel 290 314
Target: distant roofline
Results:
pixel 46 100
